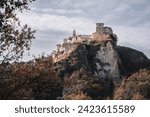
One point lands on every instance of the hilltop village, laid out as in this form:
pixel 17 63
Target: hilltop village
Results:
pixel 102 34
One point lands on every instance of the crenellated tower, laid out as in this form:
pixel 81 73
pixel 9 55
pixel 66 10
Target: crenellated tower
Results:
pixel 99 28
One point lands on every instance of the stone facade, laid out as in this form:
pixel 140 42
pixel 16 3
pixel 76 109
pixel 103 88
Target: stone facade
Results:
pixel 102 34
pixel 99 28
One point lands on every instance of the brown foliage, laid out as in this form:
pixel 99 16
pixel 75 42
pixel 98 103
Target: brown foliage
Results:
pixel 137 96
pixel 137 86
pixel 77 96
pixel 14 37
pixel 83 84
pixel 34 80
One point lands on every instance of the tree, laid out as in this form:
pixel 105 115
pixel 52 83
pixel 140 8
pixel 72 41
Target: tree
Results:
pixel 14 38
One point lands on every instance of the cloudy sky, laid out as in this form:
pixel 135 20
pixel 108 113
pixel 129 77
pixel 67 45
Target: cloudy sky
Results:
pixel 56 19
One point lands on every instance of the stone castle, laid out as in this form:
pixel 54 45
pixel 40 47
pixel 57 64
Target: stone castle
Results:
pixel 102 34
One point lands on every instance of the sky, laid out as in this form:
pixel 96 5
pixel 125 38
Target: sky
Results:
pixel 55 20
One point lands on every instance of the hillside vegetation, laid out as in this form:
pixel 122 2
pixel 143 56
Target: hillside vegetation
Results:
pixel 136 86
pixel 35 80
pixel 38 80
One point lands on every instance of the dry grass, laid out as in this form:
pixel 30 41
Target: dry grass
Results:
pixel 78 96
pixel 27 81
pixel 137 96
pixel 137 86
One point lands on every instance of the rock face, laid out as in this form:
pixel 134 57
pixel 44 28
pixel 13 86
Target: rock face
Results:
pixel 107 64
pixel 87 67
pixel 99 60
pixel 132 60
pixel 95 66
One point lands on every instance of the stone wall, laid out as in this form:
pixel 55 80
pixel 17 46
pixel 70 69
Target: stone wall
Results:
pixel 99 38
pixel 102 34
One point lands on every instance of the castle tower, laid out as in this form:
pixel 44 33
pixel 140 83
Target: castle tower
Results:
pixel 99 28
pixel 74 33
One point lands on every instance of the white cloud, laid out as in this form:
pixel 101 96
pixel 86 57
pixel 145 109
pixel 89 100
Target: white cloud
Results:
pixel 44 22
pixel 49 27
pixel 78 3
pixel 136 37
pixel 62 11
pixel 59 11
pixel 56 19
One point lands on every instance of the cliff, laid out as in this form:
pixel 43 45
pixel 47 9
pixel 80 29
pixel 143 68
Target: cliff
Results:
pixel 132 60
pixel 99 60
pixel 96 67
pixel 83 67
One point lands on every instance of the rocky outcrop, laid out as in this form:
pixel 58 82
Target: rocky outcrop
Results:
pixel 86 67
pixel 107 64
pixel 137 86
pixel 94 65
pixel 132 60
pixel 96 68
pixel 99 60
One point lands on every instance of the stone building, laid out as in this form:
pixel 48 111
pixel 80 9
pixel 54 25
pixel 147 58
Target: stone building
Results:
pixel 74 37
pixel 102 34
pixel 99 28
pixel 74 33
pixel 65 45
